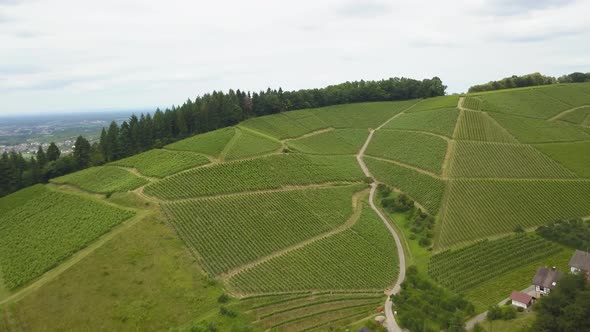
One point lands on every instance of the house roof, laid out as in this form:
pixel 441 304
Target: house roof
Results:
pixel 521 297
pixel 546 277
pixel 580 260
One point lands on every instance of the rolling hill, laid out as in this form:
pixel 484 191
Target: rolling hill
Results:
pixel 269 224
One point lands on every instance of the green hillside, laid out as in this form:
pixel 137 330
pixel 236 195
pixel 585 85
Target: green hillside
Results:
pixel 266 225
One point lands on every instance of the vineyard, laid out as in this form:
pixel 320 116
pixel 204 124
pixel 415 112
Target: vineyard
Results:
pixel 529 130
pixel 270 172
pixel 287 125
pixel 211 143
pixel 334 142
pixel 248 144
pixel 574 95
pixel 479 208
pixel 527 103
pixel 425 189
pixel 497 160
pixel 366 247
pixel 362 115
pixel 102 179
pixel 465 268
pixel 160 163
pixel 472 103
pixel 230 231
pixel 440 121
pixel 478 126
pixel 48 228
pixel 435 103
pixel 315 311
pixel 575 156
pixel 416 149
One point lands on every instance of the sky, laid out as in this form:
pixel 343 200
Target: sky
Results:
pixel 82 55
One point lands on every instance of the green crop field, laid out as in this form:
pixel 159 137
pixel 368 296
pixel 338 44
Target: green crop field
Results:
pixel 248 144
pixel 574 95
pixel 423 188
pixel 102 179
pixel 580 116
pixel 498 160
pixel 472 103
pixel 435 103
pixel 211 143
pixel 479 126
pixel 258 174
pixel 529 130
pixel 337 141
pixel 288 124
pixel 46 229
pixel 440 121
pixel 366 246
pixel 416 149
pixel 528 102
pixel 480 208
pixel 242 228
pixel 465 268
pixel 574 156
pixel 362 115
pixel 160 162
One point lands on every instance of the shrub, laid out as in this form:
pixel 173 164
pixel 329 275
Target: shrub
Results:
pixel 224 311
pixel 223 298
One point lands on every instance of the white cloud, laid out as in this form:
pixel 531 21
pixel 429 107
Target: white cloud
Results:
pixel 63 55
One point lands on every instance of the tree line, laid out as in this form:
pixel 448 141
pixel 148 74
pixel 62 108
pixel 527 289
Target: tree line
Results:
pixel 529 80
pixel 205 113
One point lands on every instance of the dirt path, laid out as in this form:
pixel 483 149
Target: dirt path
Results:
pixel 230 144
pixel 420 132
pixel 136 172
pixel 356 213
pixel 313 133
pixel 566 112
pixel 390 322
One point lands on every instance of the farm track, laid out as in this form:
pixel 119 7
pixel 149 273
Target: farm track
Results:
pixel 136 172
pixel 230 144
pixel 351 221
pixel 390 322
pixel 414 168
pixel 313 133
pixel 420 132
pixel 556 117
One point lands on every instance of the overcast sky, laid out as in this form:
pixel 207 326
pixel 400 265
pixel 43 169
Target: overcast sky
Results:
pixel 76 55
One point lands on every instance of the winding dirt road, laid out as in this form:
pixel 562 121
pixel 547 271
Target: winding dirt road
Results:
pixel 390 322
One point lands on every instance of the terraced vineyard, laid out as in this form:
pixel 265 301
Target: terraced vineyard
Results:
pixel 211 143
pixel 575 156
pixel 526 103
pixel 161 163
pixel 258 174
pixel 580 116
pixel 423 188
pixel 416 149
pixel 440 121
pixel 47 228
pixel 479 126
pixel 333 142
pixel 103 180
pixel 480 208
pixel 248 144
pixel 435 103
pixel 366 246
pixel 465 268
pixel 496 160
pixel 242 228
pixel 529 130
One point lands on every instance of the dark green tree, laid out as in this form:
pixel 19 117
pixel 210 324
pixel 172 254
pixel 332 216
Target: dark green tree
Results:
pixel 82 152
pixel 53 152
pixel 41 157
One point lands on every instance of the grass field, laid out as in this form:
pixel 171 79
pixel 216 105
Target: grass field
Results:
pixel 102 179
pixel 440 121
pixel 574 156
pixel 480 208
pixel 48 228
pixel 426 190
pixel 435 103
pixel 211 143
pixel 333 263
pixel 416 149
pixel 248 144
pixel 161 163
pixel 527 102
pixel 335 142
pixel 270 172
pixel 479 126
pixel 144 279
pixel 497 160
pixel 529 130
pixel 242 228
